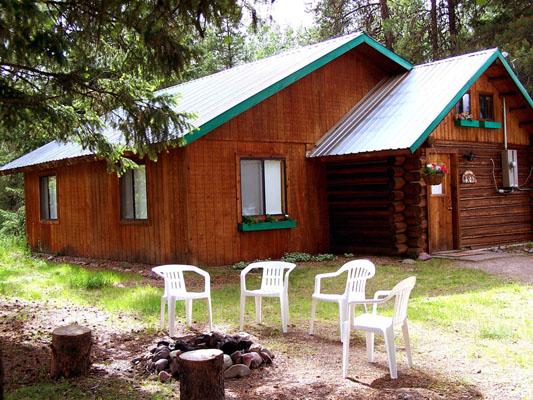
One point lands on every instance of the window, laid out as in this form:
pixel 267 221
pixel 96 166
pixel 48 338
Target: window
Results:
pixel 133 203
pixel 262 187
pixel 48 197
pixel 463 105
pixel 486 107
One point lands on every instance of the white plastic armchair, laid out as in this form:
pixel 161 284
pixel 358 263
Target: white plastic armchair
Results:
pixel 175 290
pixel 375 323
pixel 358 271
pixel 274 283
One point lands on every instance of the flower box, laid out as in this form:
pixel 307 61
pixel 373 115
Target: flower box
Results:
pixel 469 123
pixel 267 226
pixel 433 179
pixel 490 124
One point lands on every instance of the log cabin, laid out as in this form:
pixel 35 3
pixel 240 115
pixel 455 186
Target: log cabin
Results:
pixel 318 149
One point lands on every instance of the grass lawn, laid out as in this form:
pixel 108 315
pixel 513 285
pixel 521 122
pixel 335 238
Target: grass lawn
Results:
pixel 493 314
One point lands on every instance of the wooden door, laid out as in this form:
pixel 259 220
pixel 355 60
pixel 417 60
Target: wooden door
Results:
pixel 441 208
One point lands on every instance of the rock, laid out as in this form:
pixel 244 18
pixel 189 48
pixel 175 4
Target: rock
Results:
pixel 150 366
pixel 236 357
pixel 268 352
pixel 162 364
pixel 230 346
pixel 424 257
pixel 164 376
pixel 244 344
pixel 256 360
pixel 247 359
pixel 163 353
pixel 227 362
pixel 175 353
pixel 266 358
pixel 408 261
pixel 136 360
pixel 175 367
pixel 237 371
pixel 256 347
pixel 163 343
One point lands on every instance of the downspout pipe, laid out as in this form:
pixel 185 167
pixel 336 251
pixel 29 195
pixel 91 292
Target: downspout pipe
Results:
pixel 504 124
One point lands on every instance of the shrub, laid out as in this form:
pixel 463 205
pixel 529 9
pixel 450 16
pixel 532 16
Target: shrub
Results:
pixel 324 257
pixel 239 266
pixel 297 257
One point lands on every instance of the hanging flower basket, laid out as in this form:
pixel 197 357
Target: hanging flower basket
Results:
pixel 433 179
pixel 433 174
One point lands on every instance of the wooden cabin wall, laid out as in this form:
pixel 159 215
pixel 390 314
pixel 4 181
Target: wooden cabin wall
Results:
pixel 89 222
pixel 486 217
pixel 193 192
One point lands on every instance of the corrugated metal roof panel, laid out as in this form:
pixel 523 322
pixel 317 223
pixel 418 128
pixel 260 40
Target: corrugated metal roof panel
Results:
pixel 399 111
pixel 213 95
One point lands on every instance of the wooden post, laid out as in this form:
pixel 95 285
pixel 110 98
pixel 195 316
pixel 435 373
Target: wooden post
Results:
pixel 202 375
pixel 71 350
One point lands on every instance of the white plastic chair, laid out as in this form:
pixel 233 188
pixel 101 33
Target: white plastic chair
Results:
pixel 175 290
pixel 274 283
pixel 358 271
pixel 375 323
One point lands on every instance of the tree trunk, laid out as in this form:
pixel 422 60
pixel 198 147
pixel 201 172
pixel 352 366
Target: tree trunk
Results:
pixel 1 376
pixel 202 375
pixel 71 350
pixel 434 31
pixel 385 16
pixel 452 20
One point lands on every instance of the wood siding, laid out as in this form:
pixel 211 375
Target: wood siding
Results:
pixel 193 192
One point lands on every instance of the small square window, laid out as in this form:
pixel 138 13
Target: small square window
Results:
pixel 486 107
pixel 262 187
pixel 48 197
pixel 133 199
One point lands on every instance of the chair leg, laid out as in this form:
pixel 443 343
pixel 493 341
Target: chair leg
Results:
pixel 282 301
pixel 407 342
pixel 313 313
pixel 391 352
pixel 258 309
pixel 162 317
pixel 370 346
pixel 345 349
pixel 342 319
pixel 188 311
pixel 171 316
pixel 287 313
pixel 243 304
pixel 209 314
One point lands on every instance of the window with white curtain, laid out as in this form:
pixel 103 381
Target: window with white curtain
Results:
pixel 262 187
pixel 133 199
pixel 48 197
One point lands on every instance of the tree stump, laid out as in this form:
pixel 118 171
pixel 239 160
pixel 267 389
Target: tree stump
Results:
pixel 71 350
pixel 202 375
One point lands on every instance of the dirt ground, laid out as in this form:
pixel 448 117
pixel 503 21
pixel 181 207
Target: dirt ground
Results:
pixel 514 266
pixel 305 367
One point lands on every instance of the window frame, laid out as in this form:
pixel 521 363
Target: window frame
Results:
pixel 42 218
pixel 263 158
pixel 134 220
pixel 486 94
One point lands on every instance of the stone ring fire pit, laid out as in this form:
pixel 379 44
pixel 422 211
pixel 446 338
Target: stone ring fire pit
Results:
pixel 240 354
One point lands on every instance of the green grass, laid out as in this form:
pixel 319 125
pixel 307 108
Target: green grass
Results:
pixel 492 313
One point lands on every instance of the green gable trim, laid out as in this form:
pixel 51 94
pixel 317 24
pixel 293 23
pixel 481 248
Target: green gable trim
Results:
pixel 288 80
pixel 497 55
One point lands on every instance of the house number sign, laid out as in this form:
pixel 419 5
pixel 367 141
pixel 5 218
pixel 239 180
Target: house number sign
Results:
pixel 468 177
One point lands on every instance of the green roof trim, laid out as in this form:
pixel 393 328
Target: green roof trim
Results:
pixel 288 80
pixel 497 55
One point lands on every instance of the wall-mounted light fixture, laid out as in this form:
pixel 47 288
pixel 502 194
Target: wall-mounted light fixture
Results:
pixel 469 156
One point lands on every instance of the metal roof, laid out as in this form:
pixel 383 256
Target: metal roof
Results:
pixel 219 97
pixel 403 110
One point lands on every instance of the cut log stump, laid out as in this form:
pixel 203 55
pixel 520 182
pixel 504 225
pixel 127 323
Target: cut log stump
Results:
pixel 202 375
pixel 71 351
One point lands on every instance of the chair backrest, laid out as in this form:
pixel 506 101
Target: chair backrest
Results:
pixel 358 272
pixel 173 276
pixel 401 292
pixel 273 273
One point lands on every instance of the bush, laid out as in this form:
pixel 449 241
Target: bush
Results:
pixel 239 266
pixel 306 257
pixel 12 222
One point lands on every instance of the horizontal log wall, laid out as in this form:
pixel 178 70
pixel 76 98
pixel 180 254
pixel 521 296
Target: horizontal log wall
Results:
pixel 488 218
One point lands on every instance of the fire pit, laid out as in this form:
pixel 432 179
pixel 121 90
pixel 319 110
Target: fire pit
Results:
pixel 241 354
